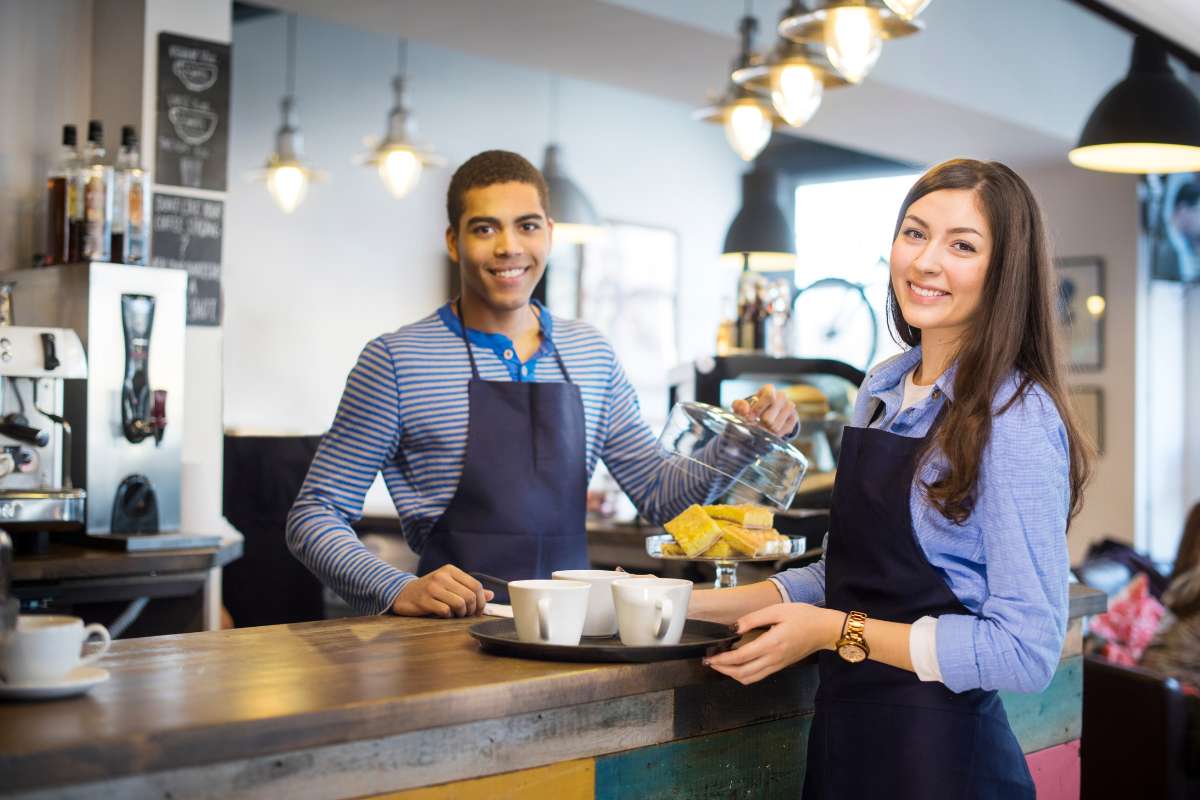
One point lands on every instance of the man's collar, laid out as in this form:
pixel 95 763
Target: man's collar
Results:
pixel 450 320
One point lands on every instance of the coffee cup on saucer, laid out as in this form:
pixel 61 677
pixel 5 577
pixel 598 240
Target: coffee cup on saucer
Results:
pixel 45 648
pixel 549 612
pixel 601 614
pixel 651 611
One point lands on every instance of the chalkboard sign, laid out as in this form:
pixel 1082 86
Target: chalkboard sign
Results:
pixel 187 236
pixel 193 112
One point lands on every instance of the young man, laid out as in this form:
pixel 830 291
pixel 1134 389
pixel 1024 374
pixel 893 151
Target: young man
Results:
pixel 486 418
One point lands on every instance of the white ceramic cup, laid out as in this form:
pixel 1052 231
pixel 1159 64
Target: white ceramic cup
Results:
pixel 47 647
pixel 651 610
pixel 549 612
pixel 601 614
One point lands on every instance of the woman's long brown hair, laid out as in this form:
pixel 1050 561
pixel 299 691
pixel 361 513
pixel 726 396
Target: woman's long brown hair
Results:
pixel 1013 328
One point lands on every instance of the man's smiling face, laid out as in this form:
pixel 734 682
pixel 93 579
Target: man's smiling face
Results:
pixel 501 244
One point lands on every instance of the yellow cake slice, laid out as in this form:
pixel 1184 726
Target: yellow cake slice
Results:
pixel 721 549
pixel 694 530
pixel 671 549
pixel 775 543
pixel 746 515
pixel 741 540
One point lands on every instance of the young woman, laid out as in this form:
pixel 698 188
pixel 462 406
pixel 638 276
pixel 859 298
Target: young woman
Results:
pixel 945 570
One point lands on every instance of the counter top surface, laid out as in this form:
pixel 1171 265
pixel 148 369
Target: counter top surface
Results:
pixel 66 559
pixel 199 698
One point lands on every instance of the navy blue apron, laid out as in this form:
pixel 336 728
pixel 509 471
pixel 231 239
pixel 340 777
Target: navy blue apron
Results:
pixel 879 731
pixel 520 506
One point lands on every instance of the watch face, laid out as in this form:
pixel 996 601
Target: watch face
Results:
pixel 852 653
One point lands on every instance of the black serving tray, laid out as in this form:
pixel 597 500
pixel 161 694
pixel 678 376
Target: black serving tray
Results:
pixel 700 638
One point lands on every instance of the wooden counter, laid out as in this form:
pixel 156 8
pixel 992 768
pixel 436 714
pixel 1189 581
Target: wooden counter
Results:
pixel 347 708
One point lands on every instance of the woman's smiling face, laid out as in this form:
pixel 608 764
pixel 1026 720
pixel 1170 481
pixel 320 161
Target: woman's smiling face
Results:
pixel 939 261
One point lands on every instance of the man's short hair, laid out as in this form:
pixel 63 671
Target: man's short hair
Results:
pixel 487 168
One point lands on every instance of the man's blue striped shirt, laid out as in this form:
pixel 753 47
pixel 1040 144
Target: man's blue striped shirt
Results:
pixel 405 411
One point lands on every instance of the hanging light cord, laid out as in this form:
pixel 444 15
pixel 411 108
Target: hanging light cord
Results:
pixel 553 108
pixel 291 55
pixel 402 58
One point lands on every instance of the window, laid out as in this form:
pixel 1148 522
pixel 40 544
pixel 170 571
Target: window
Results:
pixel 844 230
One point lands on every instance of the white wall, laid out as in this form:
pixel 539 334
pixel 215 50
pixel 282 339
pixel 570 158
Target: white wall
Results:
pixel 1093 214
pixel 45 82
pixel 305 292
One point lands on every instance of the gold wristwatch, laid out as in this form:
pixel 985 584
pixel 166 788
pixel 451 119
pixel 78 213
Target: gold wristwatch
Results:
pixel 852 647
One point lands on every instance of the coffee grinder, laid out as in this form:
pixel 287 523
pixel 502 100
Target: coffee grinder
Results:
pixel 37 498
pixel 128 413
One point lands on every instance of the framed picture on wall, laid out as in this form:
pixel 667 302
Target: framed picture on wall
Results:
pixel 1088 403
pixel 1081 309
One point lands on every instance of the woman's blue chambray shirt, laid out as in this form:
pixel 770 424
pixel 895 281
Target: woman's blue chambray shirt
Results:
pixel 1008 562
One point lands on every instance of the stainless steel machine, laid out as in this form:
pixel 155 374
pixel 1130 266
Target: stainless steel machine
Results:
pixel 36 492
pixel 128 438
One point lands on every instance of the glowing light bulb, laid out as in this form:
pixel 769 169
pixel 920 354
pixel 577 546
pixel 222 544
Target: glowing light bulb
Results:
pixel 748 129
pixel 796 92
pixel 906 9
pixel 400 170
pixel 1095 305
pixel 287 184
pixel 852 40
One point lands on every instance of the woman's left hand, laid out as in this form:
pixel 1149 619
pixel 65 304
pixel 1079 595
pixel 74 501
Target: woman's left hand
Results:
pixel 796 630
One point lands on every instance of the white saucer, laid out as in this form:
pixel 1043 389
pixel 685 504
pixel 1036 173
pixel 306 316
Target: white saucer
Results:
pixel 77 681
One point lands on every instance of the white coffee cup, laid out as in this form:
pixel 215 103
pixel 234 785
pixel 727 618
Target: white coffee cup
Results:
pixel 549 612
pixel 46 647
pixel 651 610
pixel 601 614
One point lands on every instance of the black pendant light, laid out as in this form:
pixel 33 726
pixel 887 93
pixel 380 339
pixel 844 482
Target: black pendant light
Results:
pixel 760 237
pixel 1147 123
pixel 575 218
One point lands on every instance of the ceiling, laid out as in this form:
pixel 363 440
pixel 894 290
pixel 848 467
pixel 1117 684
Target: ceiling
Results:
pixel 1177 20
pixel 1012 81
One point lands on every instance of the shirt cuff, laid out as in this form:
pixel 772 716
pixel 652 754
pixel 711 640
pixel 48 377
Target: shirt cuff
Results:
pixel 956 652
pixel 922 649
pixel 799 586
pixel 783 595
pixel 388 595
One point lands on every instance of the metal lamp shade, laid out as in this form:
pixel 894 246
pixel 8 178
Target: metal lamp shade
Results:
pixel 760 236
pixel 1147 123
pixel 575 218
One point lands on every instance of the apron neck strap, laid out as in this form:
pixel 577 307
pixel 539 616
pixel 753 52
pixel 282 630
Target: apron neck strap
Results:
pixel 462 321
pixel 561 365
pixel 471 355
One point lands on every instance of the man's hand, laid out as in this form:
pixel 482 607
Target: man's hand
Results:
pixel 769 409
pixel 445 592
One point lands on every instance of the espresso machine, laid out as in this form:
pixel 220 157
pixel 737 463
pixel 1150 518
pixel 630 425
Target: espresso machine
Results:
pixel 128 438
pixel 37 497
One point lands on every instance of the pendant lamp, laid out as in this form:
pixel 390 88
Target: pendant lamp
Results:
pixel 748 116
pixel 760 237
pixel 795 75
pixel 1147 123
pixel 398 157
pixel 852 32
pixel 285 173
pixel 575 218
pixel 907 9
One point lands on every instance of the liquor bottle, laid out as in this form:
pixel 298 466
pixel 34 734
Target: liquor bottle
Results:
pixel 129 228
pixel 61 194
pixel 97 197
